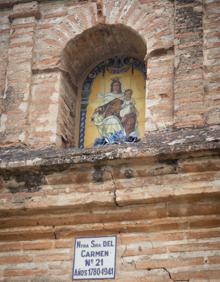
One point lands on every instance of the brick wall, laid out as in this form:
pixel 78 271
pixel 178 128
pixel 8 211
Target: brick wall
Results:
pixel 181 42
pixel 44 108
pixel 160 196
pixel 16 92
pixel 176 255
pixel 211 61
pixel 68 113
pixel 4 39
pixel 163 208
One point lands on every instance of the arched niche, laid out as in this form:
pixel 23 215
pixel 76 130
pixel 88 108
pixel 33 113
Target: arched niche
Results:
pixel 80 56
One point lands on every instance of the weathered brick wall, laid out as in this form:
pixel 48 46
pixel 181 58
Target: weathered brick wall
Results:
pixel 5 30
pixel 176 255
pixel 160 198
pixel 182 59
pixel 17 90
pixel 188 86
pixel 211 61
pixel 4 42
pixel 44 106
pixel 69 111
pixel 159 97
pixel 181 56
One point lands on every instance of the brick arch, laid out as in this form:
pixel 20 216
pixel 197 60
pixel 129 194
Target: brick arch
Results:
pixel 98 43
pixel 149 19
pixel 152 19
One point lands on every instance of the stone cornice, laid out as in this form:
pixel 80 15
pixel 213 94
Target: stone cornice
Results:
pixel 25 10
pixel 35 14
pixel 155 146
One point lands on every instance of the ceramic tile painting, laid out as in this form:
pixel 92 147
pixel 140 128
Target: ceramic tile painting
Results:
pixel 115 106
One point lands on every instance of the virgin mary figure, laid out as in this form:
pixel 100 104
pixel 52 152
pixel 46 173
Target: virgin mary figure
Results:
pixel 107 116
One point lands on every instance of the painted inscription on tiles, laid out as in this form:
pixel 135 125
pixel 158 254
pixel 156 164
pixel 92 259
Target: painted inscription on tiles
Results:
pixel 94 258
pixel 113 104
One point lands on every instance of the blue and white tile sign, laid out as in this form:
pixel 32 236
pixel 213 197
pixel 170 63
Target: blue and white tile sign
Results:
pixel 94 258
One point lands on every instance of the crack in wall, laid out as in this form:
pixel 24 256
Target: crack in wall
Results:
pixel 114 190
pixel 54 233
pixel 123 255
pixel 115 198
pixel 158 268
pixel 169 274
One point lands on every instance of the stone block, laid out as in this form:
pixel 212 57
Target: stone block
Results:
pixel 25 10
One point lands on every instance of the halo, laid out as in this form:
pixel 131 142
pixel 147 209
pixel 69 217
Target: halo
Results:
pixel 116 79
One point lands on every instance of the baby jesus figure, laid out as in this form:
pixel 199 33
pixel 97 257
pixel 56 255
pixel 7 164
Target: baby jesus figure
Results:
pixel 128 113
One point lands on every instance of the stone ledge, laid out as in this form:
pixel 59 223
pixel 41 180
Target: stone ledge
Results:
pixel 25 10
pixel 31 204
pixel 36 14
pixel 155 146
